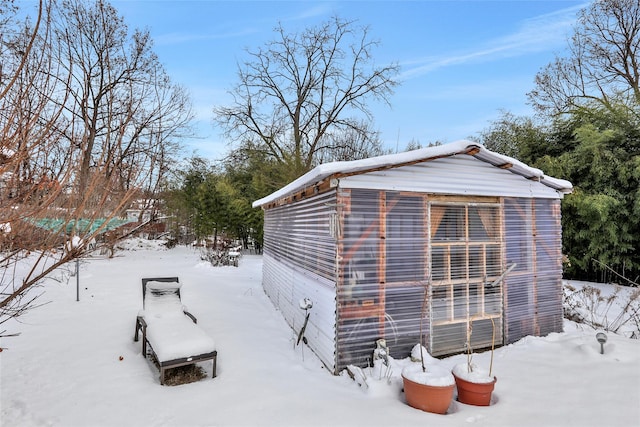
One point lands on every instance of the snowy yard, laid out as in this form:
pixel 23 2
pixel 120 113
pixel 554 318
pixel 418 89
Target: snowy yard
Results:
pixel 76 364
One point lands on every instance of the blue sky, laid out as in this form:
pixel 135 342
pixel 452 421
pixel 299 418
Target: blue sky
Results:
pixel 462 62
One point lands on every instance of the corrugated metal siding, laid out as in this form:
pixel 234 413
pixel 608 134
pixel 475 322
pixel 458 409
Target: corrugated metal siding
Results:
pixel 395 247
pixel 360 303
pixel 460 174
pixel 404 250
pixel 405 269
pixel 548 241
pixel 286 286
pixel 299 262
pixel 533 297
pixel 301 233
pixel 519 292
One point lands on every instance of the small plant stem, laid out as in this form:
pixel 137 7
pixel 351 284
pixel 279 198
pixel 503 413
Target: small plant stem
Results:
pixel 422 314
pixel 493 344
pixel 469 349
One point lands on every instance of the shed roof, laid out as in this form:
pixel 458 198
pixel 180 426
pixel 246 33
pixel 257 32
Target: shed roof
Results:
pixel 321 172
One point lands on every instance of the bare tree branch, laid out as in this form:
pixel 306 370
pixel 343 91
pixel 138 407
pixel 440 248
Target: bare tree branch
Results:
pixel 602 66
pixel 300 88
pixel 88 123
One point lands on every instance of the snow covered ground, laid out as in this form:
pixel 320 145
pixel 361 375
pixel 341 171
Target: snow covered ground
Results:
pixel 75 363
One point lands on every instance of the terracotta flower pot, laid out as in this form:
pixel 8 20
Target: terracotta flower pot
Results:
pixel 435 399
pixel 471 393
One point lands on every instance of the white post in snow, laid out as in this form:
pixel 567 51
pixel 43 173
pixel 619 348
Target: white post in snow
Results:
pixel 73 243
pixel 77 279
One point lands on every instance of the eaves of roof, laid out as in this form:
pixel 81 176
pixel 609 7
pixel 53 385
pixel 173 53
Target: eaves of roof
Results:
pixel 341 169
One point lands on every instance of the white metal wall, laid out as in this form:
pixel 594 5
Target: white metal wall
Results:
pixel 299 262
pixel 460 174
pixel 286 286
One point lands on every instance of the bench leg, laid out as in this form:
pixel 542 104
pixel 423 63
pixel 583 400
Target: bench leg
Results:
pixel 215 359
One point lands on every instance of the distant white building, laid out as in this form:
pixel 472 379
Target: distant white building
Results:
pixel 143 209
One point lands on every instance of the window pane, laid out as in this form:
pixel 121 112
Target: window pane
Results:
pixel 460 301
pixel 476 262
pixel 458 262
pixel 475 305
pixel 439 302
pixel 494 266
pixel 466 253
pixel 438 263
pixel 492 299
pixel 483 223
pixel 452 225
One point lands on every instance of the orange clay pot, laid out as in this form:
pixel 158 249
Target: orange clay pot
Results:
pixel 478 394
pixel 435 399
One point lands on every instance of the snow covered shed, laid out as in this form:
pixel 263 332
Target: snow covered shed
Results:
pixel 422 241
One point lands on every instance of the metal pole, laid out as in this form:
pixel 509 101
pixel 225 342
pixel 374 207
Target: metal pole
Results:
pixel 77 279
pixel 602 338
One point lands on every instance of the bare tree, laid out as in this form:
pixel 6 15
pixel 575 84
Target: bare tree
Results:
pixel 87 123
pixel 301 87
pixel 28 132
pixel 122 100
pixel 358 142
pixel 603 65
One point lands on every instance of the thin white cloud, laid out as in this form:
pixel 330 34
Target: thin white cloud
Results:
pixel 179 37
pixel 540 33
pixel 248 29
pixel 498 89
pixel 313 12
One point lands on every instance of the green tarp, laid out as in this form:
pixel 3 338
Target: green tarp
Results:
pixel 80 226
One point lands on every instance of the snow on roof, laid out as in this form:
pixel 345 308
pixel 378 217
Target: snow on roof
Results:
pixel 474 149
